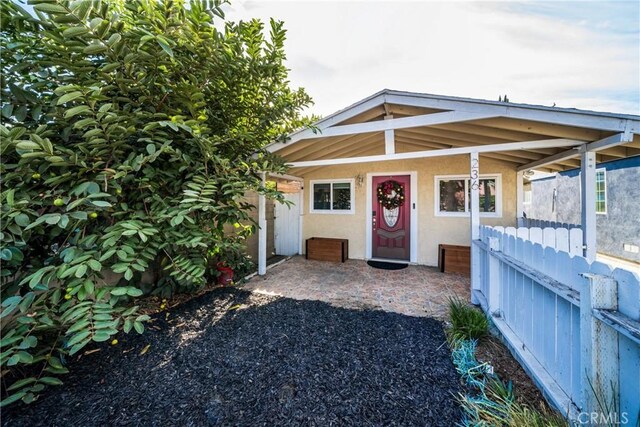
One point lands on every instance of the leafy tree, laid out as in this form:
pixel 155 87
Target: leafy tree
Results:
pixel 131 130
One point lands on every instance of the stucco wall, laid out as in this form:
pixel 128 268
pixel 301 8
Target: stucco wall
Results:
pixel 621 223
pixel 432 230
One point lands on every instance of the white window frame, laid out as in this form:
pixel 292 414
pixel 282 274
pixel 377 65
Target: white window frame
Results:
pixel 604 173
pixel 466 178
pixel 332 211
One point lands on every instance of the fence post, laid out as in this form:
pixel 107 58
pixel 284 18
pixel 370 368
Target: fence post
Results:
pixel 599 346
pixel 493 278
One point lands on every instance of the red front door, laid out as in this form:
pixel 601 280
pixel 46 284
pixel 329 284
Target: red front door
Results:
pixel 391 217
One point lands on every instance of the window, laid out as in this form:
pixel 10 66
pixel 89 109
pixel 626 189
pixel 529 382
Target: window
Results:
pixel 332 196
pixel 453 195
pixel 601 191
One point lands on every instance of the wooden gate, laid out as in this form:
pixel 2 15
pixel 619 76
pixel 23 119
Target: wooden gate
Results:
pixel 286 226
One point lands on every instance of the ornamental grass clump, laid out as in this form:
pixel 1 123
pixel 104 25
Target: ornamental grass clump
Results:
pixel 131 131
pixel 467 323
pixel 489 401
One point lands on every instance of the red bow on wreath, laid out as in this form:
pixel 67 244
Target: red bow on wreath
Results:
pixel 391 194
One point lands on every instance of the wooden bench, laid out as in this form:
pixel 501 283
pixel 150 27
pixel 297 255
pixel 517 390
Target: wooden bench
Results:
pixel 326 249
pixel 454 259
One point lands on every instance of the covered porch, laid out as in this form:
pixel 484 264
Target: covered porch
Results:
pixel 414 291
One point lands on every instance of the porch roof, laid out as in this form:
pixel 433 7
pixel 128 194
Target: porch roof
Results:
pixel 394 125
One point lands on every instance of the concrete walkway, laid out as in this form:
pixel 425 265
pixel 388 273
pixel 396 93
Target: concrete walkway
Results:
pixel 414 291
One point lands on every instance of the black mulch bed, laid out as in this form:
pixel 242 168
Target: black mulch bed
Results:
pixel 273 361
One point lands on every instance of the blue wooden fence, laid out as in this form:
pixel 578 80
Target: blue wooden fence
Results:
pixel 573 325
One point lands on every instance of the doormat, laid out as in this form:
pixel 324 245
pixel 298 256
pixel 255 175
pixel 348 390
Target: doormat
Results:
pixel 387 265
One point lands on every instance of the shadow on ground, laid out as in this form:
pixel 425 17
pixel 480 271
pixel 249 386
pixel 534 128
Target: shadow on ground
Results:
pixel 231 357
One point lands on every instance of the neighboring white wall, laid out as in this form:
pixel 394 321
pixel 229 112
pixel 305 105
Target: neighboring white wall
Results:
pixel 433 230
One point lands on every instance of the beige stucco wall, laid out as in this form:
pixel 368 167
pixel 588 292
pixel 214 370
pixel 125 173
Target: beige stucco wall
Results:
pixel 432 230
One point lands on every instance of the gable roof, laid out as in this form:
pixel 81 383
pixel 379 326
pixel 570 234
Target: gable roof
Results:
pixel 426 122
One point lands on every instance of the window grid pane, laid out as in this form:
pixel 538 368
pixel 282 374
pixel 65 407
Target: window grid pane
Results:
pixel 341 196
pixel 452 195
pixel 321 196
pixel 601 195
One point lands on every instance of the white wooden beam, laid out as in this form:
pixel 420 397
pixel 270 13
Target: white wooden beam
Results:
pixel 262 230
pixel 545 143
pixel 382 125
pixel 602 144
pixel 588 189
pixel 389 138
pixel 474 210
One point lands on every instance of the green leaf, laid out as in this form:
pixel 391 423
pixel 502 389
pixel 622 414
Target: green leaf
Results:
pixel 28 145
pixel 6 255
pixel 82 269
pixel 75 31
pixel 95 265
pixel 139 327
pixel 69 97
pixel 76 110
pixel 78 337
pixel 50 381
pixel 50 8
pixel 21 383
pixel 151 149
pixel 101 203
pixel 134 292
pixel 13 398
pixel 101 336
pixel 93 49
pixel 165 46
pixel 22 220
pixel 79 346
pixel 118 291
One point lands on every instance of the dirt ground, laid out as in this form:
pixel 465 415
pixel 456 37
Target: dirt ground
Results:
pixel 492 351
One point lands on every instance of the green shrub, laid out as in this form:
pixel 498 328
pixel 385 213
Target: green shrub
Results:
pixel 466 322
pixel 131 131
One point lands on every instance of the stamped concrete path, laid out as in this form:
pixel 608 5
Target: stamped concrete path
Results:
pixel 414 291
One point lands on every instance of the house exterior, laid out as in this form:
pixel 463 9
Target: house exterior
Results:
pixel 457 163
pixel 398 173
pixel 557 198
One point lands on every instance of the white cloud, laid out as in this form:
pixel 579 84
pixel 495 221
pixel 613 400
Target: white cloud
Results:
pixel 534 52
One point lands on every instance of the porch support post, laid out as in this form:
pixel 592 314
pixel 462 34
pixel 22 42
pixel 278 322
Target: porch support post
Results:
pixel 588 188
pixel 301 221
pixel 474 210
pixel 389 139
pixel 519 197
pixel 262 230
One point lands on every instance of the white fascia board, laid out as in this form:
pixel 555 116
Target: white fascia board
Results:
pixel 585 119
pixel 544 143
pixel 602 144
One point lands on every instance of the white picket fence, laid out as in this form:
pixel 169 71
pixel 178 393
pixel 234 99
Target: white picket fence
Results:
pixel 550 305
pixel 541 223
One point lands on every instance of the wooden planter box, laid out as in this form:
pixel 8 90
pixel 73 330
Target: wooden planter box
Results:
pixel 454 259
pixel 325 249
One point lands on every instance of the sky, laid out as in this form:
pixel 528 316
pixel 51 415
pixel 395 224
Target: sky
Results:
pixel 576 54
